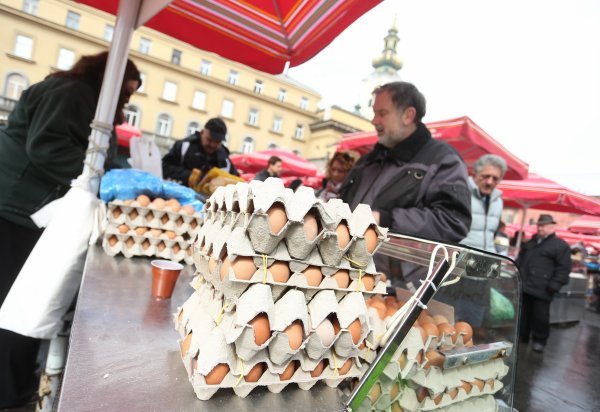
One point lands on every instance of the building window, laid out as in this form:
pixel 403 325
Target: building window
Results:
pixel 199 101
pixel 233 77
pixel 253 117
pixel 14 86
pixel 109 30
pixel 299 133
pixel 281 95
pixel 176 57
pixel 145 45
pixel 205 67
pixel 248 145
pixel 163 125
pixel 30 6
pixel 142 88
pixel 304 103
pixel 227 109
pixel 258 87
pixel 272 146
pixel 23 46
pixel 277 124
pixel 132 115
pixel 73 20
pixel 66 58
pixel 192 127
pixel 169 91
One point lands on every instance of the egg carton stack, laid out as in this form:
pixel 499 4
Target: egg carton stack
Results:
pixel 415 379
pixel 280 290
pixel 140 227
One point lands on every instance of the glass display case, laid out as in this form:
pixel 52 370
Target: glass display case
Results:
pixel 467 360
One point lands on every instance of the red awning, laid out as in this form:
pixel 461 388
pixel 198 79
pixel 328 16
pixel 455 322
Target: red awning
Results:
pixel 568 236
pixel 263 34
pixel 537 192
pixel 467 138
pixel 293 165
pixel 589 225
pixel 125 132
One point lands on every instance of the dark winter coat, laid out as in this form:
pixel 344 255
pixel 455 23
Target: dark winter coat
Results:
pixel 544 267
pixel 263 175
pixel 188 154
pixel 419 187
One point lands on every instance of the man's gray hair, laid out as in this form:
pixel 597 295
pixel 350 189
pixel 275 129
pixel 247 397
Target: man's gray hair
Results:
pixel 492 160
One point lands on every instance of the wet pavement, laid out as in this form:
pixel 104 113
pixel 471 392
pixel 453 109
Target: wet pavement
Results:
pixel 566 377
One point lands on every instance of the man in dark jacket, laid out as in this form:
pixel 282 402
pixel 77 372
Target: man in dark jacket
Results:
pixel 191 158
pixel 273 169
pixel 545 265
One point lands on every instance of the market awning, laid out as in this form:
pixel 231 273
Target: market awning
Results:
pixel 264 34
pixel 568 236
pixel 467 138
pixel 589 225
pixel 293 165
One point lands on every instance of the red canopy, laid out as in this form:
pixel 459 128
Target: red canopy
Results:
pixel 263 34
pixel 589 225
pixel 568 236
pixel 462 133
pixel 293 165
pixel 537 192
pixel 124 132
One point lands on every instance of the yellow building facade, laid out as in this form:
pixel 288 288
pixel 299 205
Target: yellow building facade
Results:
pixel 182 86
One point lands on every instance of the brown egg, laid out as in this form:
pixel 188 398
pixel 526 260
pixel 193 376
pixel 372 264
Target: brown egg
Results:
pixel 430 329
pixel 161 246
pixel 143 200
pixel 362 345
pixel 402 359
pixel 128 202
pixel 277 218
pixel 422 332
pixel 447 330
pixel 371 239
pixel 345 367
pixel 394 391
pixel 479 383
pixel 116 212
pixel 149 217
pixel 225 268
pixel 170 234
pixel 189 209
pixel 318 370
pixel 396 407
pixel 175 248
pixel 354 329
pixel 490 383
pixel 256 372
pixel 288 371
pixel 469 343
pixel 368 282
pixel 437 319
pixel 133 214
pixel 216 376
pixel 212 264
pixel 375 392
pixel 453 392
pixel 419 357
pixel 140 230
pixel 390 300
pixel 422 393
pixel 159 203
pixel 466 386
pixel 313 275
pixel 262 328
pixel 295 334
pixel 343 235
pixel 123 229
pixel 342 278
pixel 129 243
pixel 155 232
pixel 382 277
pixel 146 244
pixel 243 267
pixel 424 317
pixel 391 310
pixel 174 205
pixel 434 358
pixel 280 271
pixel 379 305
pixel 464 329
pixel 311 227
pixel 112 240
pixel 336 325
pixel 438 398
pixel 185 344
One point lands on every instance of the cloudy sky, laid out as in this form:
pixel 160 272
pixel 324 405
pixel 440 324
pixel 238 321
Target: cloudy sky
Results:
pixel 527 72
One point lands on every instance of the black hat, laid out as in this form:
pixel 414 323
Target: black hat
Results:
pixel 217 129
pixel 545 220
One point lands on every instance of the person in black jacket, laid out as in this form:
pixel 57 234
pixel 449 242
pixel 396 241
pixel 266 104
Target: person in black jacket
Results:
pixel 191 158
pixel 274 166
pixel 545 265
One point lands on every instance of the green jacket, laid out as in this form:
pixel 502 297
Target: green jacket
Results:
pixel 42 147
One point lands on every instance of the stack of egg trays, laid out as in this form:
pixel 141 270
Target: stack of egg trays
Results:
pixel 217 336
pixel 132 214
pixel 442 390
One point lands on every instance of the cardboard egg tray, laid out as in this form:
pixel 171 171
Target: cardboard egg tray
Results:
pixel 246 205
pixel 134 215
pixel 204 345
pixel 131 244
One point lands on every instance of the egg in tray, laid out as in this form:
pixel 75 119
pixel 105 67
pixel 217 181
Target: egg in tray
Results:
pixel 280 287
pixel 145 227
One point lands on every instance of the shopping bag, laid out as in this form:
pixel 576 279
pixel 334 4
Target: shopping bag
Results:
pixel 501 308
pixel 145 155
pixel 50 278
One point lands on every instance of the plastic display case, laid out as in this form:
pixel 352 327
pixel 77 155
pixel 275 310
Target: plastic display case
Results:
pixel 460 369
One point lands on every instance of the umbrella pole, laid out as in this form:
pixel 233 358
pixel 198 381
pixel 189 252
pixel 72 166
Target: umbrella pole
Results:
pixel 102 125
pixel 520 234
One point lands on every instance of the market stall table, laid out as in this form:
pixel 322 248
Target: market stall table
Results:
pixel 124 355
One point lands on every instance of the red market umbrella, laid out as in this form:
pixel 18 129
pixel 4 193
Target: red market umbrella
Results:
pixel 293 165
pixel 125 132
pixel 263 34
pixel 589 225
pixel 568 236
pixel 467 138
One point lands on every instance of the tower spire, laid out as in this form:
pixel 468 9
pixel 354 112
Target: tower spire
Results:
pixel 388 61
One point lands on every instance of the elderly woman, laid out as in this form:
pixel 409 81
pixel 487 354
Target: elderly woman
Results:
pixel 337 170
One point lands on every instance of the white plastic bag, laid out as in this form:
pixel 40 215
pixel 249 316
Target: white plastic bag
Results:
pixel 50 278
pixel 145 155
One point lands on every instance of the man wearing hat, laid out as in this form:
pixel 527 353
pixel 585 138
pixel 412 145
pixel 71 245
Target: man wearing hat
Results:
pixel 545 264
pixel 191 158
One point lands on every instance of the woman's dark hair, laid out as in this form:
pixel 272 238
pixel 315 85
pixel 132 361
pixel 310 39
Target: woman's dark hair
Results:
pixel 90 69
